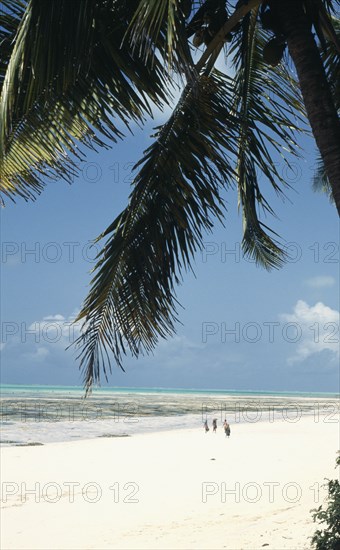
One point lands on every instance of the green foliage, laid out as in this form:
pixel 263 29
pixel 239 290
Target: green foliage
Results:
pixel 331 59
pixel 320 181
pixel 89 79
pixel 264 100
pixel 177 190
pixel 328 538
pixel 76 74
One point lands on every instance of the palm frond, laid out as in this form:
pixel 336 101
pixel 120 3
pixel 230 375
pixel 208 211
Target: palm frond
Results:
pixel 271 111
pixel 241 11
pixel 11 13
pixel 326 15
pixel 157 29
pixel 321 182
pixel 330 6
pixel 331 59
pixel 175 196
pixel 68 80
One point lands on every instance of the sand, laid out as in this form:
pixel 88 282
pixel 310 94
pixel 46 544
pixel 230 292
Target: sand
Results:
pixel 179 489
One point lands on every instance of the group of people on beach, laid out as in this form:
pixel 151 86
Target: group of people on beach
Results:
pixel 226 426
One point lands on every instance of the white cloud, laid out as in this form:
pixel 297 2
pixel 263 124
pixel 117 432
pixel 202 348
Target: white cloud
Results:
pixel 42 340
pixel 57 317
pixel 55 329
pixel 315 328
pixel 176 344
pixel 320 281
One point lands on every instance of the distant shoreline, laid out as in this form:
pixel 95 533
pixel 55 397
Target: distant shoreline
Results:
pixel 128 389
pixel 54 414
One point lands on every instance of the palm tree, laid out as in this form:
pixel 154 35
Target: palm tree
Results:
pixel 74 74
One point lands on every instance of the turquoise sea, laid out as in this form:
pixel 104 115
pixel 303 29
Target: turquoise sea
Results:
pixel 33 415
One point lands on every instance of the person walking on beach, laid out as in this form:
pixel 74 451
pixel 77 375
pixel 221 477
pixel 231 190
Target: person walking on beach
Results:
pixel 214 424
pixel 206 427
pixel 226 428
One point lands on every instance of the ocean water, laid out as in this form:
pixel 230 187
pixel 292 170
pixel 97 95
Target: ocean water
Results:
pixel 32 415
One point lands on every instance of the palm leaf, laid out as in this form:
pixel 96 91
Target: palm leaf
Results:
pixel 271 111
pixel 68 80
pixel 331 59
pixel 176 193
pixel 10 16
pixel 157 29
pixel 242 9
pixel 321 182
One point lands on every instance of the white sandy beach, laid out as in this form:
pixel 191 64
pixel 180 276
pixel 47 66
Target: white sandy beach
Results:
pixel 178 489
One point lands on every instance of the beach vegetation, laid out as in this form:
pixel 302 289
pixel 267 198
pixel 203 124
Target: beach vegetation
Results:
pixel 328 538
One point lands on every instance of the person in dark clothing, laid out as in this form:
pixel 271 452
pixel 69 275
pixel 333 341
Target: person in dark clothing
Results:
pixel 226 428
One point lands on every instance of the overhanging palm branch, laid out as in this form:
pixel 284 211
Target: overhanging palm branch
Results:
pixel 157 28
pixel 331 59
pixel 175 197
pixel 74 94
pixel 321 182
pixel 271 111
pixel 11 12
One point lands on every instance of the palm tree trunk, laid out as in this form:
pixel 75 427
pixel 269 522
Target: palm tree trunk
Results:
pixel 315 90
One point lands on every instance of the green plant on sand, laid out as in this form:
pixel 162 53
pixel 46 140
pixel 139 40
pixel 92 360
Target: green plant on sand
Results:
pixel 328 538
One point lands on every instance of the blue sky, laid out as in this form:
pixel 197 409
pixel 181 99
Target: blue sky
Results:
pixel 242 327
